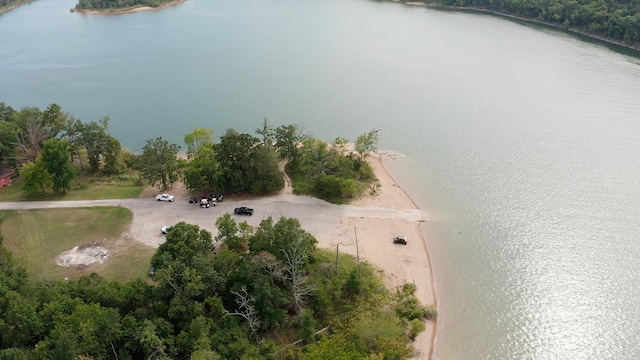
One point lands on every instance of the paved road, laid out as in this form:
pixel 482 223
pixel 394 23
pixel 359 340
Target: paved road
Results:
pixel 149 216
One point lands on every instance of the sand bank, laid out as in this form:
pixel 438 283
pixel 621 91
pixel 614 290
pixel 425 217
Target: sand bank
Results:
pixel 400 263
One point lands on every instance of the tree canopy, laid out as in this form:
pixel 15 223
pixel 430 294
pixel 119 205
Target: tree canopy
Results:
pixel 231 303
pixel 159 163
pixel 610 19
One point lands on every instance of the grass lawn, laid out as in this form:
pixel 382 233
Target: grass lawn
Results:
pixel 86 190
pixel 37 237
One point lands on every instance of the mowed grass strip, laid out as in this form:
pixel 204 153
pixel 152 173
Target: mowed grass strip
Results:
pixel 93 191
pixel 37 237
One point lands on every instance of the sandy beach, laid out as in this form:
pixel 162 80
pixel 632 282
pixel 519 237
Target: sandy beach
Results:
pixel 400 263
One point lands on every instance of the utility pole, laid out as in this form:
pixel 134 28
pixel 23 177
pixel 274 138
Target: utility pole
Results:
pixel 357 249
pixel 337 246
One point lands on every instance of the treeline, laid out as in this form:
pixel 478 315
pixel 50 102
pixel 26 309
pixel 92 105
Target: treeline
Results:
pixel 263 290
pixel 610 19
pixel 7 3
pixel 50 149
pixel 117 4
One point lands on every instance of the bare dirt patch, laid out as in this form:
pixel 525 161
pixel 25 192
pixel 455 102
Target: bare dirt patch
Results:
pixel 83 255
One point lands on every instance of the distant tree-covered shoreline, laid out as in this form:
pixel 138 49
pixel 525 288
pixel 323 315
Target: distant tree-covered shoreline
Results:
pixel 117 4
pixel 6 5
pixel 615 21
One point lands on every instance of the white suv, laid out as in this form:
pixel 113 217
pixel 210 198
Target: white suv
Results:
pixel 165 197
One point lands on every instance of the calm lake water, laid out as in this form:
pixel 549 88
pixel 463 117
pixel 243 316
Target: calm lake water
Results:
pixel 522 143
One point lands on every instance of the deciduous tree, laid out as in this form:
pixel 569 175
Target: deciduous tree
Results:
pixel 36 177
pixel 197 139
pixel 57 161
pixel 366 143
pixel 159 163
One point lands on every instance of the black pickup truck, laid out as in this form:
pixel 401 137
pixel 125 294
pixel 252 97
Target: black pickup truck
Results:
pixel 243 211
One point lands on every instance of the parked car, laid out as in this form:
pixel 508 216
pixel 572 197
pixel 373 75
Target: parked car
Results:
pixel 193 200
pixel 165 197
pixel 152 271
pixel 400 240
pixel 204 203
pixel 165 229
pixel 243 211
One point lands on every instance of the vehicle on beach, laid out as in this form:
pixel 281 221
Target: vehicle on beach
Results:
pixel 165 197
pixel 243 210
pixel 400 240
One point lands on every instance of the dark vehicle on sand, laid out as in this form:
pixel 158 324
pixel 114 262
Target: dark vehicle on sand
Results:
pixel 243 211
pixel 400 240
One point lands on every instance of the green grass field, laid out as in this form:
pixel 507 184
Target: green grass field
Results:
pixel 81 189
pixel 37 237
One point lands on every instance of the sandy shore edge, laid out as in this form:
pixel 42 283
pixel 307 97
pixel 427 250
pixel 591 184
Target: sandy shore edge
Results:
pixel 411 264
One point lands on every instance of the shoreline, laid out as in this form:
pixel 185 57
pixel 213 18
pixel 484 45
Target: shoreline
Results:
pixel 575 31
pixel 127 11
pixel 415 269
pixel 14 6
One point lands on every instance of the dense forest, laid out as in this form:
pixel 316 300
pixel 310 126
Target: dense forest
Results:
pixel 263 293
pixel 117 4
pixel 609 19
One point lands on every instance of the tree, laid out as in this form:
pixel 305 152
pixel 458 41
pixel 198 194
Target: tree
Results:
pixel 36 127
pixel 264 175
pixel 267 132
pixel 198 138
pixel 296 257
pixel 6 112
pixel 366 143
pixel 290 244
pixel 234 156
pixel 71 131
pixel 57 161
pixel 246 309
pixel 95 140
pixel 280 237
pixel 246 165
pixel 8 133
pixel 36 177
pixel 112 156
pixel 184 270
pixel 332 347
pixel 159 163
pixel 201 174
pixel 90 330
pixel 227 231
pixel 340 144
pixel 288 138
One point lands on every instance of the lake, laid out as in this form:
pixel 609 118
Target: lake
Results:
pixel 521 142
